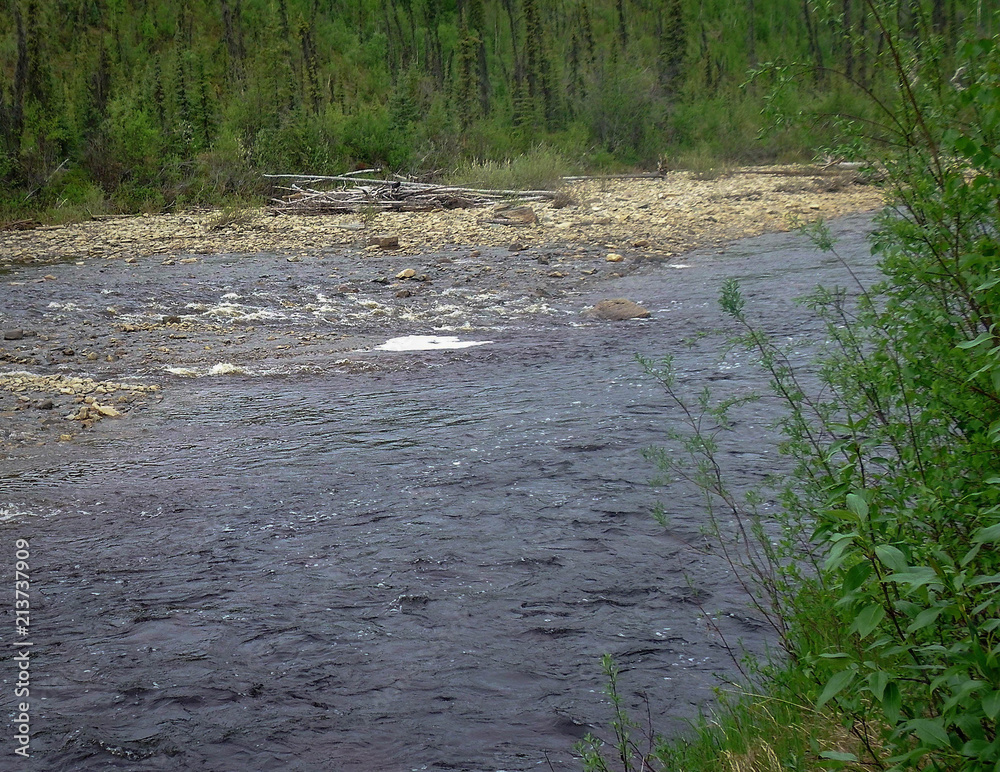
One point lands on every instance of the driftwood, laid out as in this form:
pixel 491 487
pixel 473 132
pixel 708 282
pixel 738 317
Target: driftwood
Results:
pixel 355 194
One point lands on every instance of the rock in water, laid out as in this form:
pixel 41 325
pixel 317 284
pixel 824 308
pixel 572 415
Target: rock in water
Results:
pixel 617 310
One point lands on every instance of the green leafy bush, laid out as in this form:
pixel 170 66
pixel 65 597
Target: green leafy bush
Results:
pixel 884 586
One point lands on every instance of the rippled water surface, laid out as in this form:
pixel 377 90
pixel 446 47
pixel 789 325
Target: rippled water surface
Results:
pixel 413 567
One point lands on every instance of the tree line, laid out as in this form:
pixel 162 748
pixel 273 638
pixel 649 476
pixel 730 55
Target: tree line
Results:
pixel 159 104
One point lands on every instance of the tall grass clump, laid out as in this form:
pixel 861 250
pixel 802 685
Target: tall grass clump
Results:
pixel 884 584
pixel 540 168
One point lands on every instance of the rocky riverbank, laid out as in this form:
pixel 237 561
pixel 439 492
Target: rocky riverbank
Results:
pixel 664 216
pixel 96 317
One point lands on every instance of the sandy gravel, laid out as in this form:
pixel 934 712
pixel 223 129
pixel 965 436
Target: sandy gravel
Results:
pixel 656 217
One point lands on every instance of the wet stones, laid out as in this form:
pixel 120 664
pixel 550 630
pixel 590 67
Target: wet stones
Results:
pixel 87 400
pixel 13 334
pixel 617 310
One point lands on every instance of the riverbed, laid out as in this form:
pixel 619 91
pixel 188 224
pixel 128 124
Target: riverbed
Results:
pixel 345 527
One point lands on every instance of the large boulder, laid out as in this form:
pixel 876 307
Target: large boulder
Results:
pixel 617 310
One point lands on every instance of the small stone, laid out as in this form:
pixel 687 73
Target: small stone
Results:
pixel 45 404
pixel 13 334
pixel 641 243
pixel 293 259
pixel 407 273
pixel 106 410
pixel 617 310
pixel 517 246
pixel 518 215
pixel 65 437
pixel 403 293
pixel 50 277
pixel 614 257
pixel 475 253
pixel 384 242
pixel 92 357
pixel 556 275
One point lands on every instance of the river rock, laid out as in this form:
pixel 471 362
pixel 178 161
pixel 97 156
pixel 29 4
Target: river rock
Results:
pixel 13 334
pixel 518 215
pixel 384 242
pixel 618 310
pixel 408 273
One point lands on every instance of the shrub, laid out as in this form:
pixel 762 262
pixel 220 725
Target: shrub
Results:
pixel 885 588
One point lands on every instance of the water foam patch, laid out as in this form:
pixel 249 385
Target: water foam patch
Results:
pixel 428 343
pixel 10 513
pixel 222 368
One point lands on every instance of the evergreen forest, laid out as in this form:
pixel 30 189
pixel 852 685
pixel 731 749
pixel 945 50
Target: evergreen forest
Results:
pixel 146 105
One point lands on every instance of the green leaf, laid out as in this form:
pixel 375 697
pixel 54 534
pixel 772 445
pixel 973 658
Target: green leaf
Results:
pixel 892 702
pixel 836 555
pixel 915 577
pixel 834 686
pixel 982 338
pixel 856 576
pixel 868 620
pixel 991 533
pixel 857 504
pixel 991 705
pixel 877 682
pixel 838 756
pixel 924 619
pixel 891 557
pixel 930 732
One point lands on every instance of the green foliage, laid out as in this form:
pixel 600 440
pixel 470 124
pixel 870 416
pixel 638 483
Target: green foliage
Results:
pixel 538 169
pixel 420 84
pixel 882 575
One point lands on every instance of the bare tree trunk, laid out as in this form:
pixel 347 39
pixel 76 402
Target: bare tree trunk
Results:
pixel 847 33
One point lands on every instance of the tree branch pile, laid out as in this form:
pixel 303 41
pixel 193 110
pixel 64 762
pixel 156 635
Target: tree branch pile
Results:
pixel 357 194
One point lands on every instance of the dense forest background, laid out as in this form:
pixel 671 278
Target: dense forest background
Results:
pixel 147 104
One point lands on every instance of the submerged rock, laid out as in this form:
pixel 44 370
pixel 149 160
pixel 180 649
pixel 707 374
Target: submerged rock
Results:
pixel 617 310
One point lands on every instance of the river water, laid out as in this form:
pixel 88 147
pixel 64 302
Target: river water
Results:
pixel 412 563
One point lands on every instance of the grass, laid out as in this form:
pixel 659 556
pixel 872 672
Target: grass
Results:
pixel 774 732
pixel 540 168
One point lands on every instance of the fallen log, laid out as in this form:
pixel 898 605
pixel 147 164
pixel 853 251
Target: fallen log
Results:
pixel 355 194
